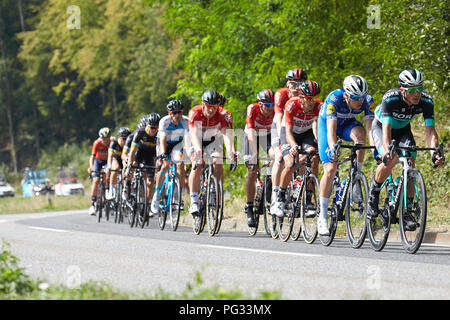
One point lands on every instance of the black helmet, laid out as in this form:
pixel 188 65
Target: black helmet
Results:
pixel 123 132
pixel 142 122
pixel 296 74
pixel 153 119
pixel 309 88
pixel 222 100
pixel 265 96
pixel 211 98
pixel 174 105
pixel 104 132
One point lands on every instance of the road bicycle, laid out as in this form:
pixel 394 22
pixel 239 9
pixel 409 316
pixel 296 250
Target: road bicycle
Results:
pixel 210 199
pixel 262 197
pixel 100 203
pixel 136 205
pixel 170 195
pixel 348 200
pixel 114 206
pixel 302 203
pixel 396 208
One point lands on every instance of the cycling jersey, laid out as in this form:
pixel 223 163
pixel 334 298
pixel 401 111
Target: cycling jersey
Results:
pixel 281 97
pixel 115 149
pixel 127 147
pixel 256 120
pixel 175 134
pixel 295 116
pixel 395 111
pixel 222 119
pixel 144 141
pixel 100 150
pixel 336 108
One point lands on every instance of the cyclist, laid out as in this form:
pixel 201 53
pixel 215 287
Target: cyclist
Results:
pixel 143 150
pixel 97 161
pixel 256 134
pixel 115 158
pixel 337 119
pixel 392 121
pixel 208 123
pixel 293 79
pixel 299 130
pixel 173 131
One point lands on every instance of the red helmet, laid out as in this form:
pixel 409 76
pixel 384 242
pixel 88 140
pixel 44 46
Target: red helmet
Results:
pixel 265 96
pixel 296 74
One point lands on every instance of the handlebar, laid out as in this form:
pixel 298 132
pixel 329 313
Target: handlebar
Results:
pixel 393 146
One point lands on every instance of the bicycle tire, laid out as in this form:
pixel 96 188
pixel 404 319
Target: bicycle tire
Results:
pixel 297 226
pixel 175 204
pixel 378 228
pixel 257 211
pixel 267 191
pixel 356 211
pixel 285 223
pixel 99 206
pixel 131 208
pixel 412 240
pixel 332 220
pixel 221 206
pixel 162 213
pixel 141 203
pixel 212 204
pixel 309 222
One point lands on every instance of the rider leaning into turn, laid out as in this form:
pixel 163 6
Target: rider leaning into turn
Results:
pixel 173 133
pixel 337 119
pixel 392 122
pixel 256 134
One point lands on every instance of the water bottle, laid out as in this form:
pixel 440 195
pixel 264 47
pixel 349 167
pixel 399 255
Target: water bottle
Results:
pixel 337 188
pixel 259 189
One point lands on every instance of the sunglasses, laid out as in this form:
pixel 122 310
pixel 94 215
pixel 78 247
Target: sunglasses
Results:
pixel 357 98
pixel 414 90
pixel 176 112
pixel 294 84
pixel 308 97
pixel 154 128
pixel 268 105
pixel 211 107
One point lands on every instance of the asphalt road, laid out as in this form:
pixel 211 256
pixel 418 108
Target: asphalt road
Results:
pixel 71 247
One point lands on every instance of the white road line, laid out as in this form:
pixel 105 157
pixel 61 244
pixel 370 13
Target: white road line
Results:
pixel 48 229
pixel 264 251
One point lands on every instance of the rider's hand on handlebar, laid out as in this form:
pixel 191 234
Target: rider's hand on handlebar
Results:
pixel 294 151
pixel 437 159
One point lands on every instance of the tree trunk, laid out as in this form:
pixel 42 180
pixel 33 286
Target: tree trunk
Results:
pixel 8 107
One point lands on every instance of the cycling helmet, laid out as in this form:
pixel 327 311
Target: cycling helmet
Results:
pixel 265 96
pixel 296 74
pixel 211 98
pixel 123 132
pixel 222 100
pixel 309 88
pixel 153 119
pixel 104 132
pixel 355 85
pixel 410 78
pixel 174 105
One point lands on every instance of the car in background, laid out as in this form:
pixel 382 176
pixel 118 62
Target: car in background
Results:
pixel 5 188
pixel 68 187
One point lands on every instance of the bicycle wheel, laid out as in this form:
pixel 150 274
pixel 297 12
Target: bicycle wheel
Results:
pixel 141 203
pixel 162 214
pixel 175 204
pixel 130 206
pixel 296 223
pixel 355 210
pixel 416 212
pixel 378 228
pixel 198 222
pixel 285 223
pixel 212 204
pixel 332 219
pixel 257 211
pixel 118 201
pixel 99 204
pixel 310 211
pixel 267 192
pixel 221 204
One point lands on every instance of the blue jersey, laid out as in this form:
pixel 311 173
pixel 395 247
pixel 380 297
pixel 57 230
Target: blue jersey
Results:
pixel 172 132
pixel 336 108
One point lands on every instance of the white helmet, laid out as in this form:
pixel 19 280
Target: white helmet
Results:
pixel 355 85
pixel 410 78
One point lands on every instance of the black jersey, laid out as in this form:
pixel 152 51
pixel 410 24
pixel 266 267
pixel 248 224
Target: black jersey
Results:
pixel 144 142
pixel 115 149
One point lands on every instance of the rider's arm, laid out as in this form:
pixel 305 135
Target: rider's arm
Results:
pixel 277 119
pixel 433 142
pixel 228 137
pixel 290 135
pixel 314 128
pixel 331 132
pixel 162 144
pixel 369 122
pixel 92 157
pixel 387 137
pixel 194 133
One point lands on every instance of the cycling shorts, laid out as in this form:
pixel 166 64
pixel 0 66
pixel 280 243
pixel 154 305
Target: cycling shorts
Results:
pixel 305 140
pixel 98 165
pixel 403 136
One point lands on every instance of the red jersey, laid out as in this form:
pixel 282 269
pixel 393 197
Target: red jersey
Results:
pixel 256 120
pixel 295 116
pixel 210 127
pixel 100 150
pixel 281 97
